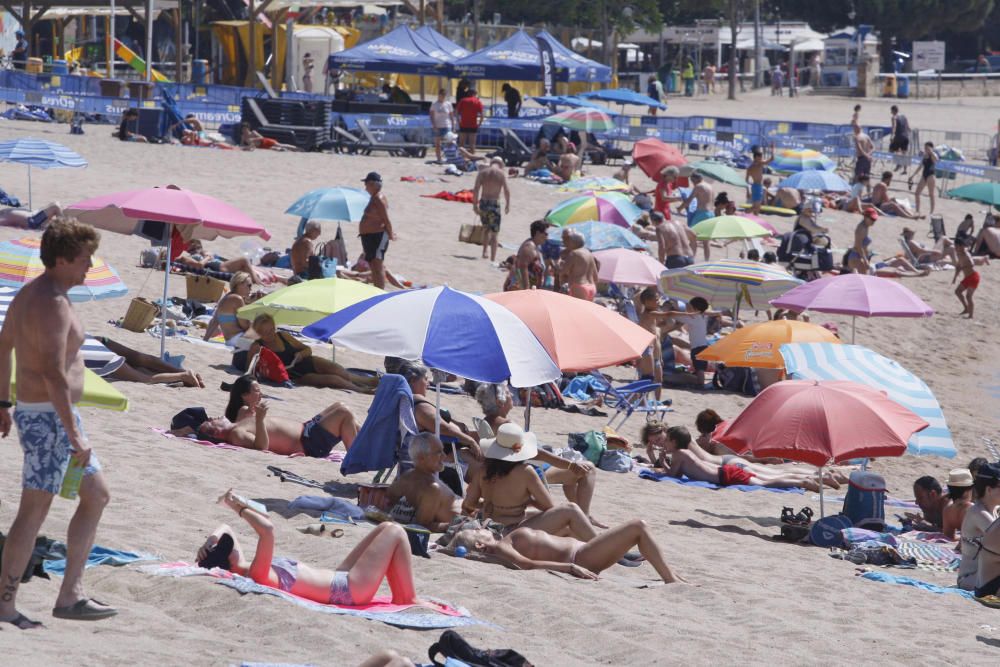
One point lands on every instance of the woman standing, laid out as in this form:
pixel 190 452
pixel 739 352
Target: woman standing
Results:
pixel 928 180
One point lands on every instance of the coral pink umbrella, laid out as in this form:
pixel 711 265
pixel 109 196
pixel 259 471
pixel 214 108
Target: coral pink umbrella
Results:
pixel 628 267
pixel 653 156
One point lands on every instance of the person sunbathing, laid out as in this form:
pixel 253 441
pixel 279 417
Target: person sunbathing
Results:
pixel 578 478
pixel 943 250
pixel 540 158
pixel 886 204
pixel 304 368
pixel 705 423
pixel 434 503
pixel 531 549
pixel 251 139
pixel 960 481
pixel 988 240
pixel 383 554
pixel 147 369
pixel 23 219
pixel 225 319
pixel 685 463
pixel 196 257
pixel 507 485
pixel 978 519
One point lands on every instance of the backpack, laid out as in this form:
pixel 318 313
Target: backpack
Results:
pixel 864 503
pixel 452 645
pixel 591 444
pixel 735 379
pixel 615 460
pixel 270 367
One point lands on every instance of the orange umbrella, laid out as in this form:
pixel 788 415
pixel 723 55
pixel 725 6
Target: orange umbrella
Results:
pixel 578 335
pixel 653 156
pixel 758 345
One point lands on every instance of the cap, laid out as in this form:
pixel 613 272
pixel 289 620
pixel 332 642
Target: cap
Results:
pixel 989 472
pixel 871 212
pixel 372 176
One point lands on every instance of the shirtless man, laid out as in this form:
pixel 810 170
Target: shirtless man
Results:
pixel 528 270
pixel 490 182
pixel 650 317
pixel 375 228
pixel 881 199
pixel 540 158
pixel 569 164
pixel 786 197
pixel 672 237
pixel 304 248
pixel 702 193
pixel 435 503
pixel 755 177
pixel 578 266
pixel 42 327
pixel 863 150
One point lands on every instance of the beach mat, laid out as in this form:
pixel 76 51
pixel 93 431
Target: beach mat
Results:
pixel 99 556
pixel 335 456
pixel 381 608
pixel 663 477
pixel 888 578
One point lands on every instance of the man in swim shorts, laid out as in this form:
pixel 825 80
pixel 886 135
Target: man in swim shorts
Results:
pixel 755 177
pixel 579 268
pixel 702 193
pixel 375 228
pixel 47 336
pixel 490 183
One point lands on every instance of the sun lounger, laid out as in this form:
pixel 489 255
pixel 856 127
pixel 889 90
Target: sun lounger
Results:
pixel 396 148
pixel 512 150
pixel 630 398
pixel 346 142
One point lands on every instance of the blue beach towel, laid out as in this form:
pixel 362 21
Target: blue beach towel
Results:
pixel 887 578
pixel 378 441
pixel 645 473
pixel 98 556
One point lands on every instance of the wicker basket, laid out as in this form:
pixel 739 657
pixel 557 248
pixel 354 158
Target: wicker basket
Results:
pixel 205 289
pixel 140 314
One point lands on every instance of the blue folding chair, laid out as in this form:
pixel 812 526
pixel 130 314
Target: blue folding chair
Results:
pixel 631 398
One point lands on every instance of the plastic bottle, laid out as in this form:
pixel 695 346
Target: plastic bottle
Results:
pixel 72 480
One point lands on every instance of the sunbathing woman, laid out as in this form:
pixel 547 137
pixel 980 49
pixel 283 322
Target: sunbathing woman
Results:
pixel 530 549
pixel 507 485
pixel 979 517
pixel 225 319
pixel 578 479
pixel 196 257
pixel 383 554
pixel 303 368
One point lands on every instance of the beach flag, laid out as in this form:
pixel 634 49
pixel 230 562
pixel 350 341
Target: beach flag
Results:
pixel 135 62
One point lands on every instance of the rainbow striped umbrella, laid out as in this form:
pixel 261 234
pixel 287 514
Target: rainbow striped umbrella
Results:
pixel 21 262
pixel 801 159
pixel 613 207
pixel 725 281
pixel 584 119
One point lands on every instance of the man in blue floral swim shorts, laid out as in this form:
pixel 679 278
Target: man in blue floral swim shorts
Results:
pixel 46 334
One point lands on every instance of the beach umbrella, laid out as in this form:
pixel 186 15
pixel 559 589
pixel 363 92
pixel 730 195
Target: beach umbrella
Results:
pixel 583 119
pixel 723 227
pixel 331 204
pixel 856 295
pixel 21 262
pixel 760 221
pixel 97 392
pixel 569 101
pixel 816 179
pixel 854 363
pixel 653 156
pixel 613 207
pixel 601 236
pixel 716 171
pixel 801 159
pixel 302 304
pixel 987 193
pixel 628 267
pixel 156 212
pixel 594 184
pixel 40 154
pixel 821 423
pixel 757 345
pixel 728 281
pixel 623 96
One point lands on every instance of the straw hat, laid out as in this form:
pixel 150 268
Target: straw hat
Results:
pixel 512 444
pixel 960 477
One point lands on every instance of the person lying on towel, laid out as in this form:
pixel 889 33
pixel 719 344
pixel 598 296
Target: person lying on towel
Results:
pixel 247 424
pixel 382 554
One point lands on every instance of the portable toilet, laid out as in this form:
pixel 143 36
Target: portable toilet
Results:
pixel 319 42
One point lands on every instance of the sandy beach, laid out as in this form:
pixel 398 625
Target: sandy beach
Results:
pixel 752 600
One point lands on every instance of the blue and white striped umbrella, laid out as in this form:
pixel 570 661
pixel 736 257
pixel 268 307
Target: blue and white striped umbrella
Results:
pixel 816 179
pixel 445 329
pixel 825 361
pixel 39 153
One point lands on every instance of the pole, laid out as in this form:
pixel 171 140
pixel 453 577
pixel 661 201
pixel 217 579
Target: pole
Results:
pixel 422 11
pixel 111 42
pixel 437 430
pixel 758 52
pixel 821 506
pixel 252 28
pixel 291 55
pixel 854 324
pixel 150 5
pixel 196 20
pixel 527 412
pixel 163 304
pixel 29 188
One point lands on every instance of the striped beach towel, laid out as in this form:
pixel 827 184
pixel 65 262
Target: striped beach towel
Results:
pixel 929 556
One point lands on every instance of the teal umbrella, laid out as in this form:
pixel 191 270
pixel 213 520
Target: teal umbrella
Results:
pixel 718 172
pixel 987 193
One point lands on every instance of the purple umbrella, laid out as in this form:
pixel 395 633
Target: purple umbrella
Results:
pixel 856 295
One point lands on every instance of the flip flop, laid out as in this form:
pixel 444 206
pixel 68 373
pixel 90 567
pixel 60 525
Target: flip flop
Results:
pixel 86 609
pixel 22 622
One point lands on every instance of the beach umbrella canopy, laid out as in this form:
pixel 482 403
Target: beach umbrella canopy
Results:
pixel 577 334
pixel 816 179
pixel 594 184
pixel 723 227
pixel 758 345
pixel 653 156
pixel 332 204
pixel 601 236
pixel 853 363
pixel 987 193
pixel 583 119
pixel 613 207
pixel 624 96
pixel 40 154
pixel 821 423
pixel 628 267
pixel 801 159
pixel 21 262
pixel 717 171
pixel 760 221
pixel 725 281
pixel 302 304
pixel 452 331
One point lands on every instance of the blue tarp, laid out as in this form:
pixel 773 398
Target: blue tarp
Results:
pixel 516 58
pixel 453 50
pixel 402 51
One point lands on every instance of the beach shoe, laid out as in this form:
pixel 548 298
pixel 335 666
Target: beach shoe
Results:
pixel 22 622
pixel 86 609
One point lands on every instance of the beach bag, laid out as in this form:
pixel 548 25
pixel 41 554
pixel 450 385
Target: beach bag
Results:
pixel 864 504
pixel 453 645
pixel 828 531
pixel 591 444
pixel 270 367
pixel 321 267
pixel 149 258
pixel 736 379
pixel 615 460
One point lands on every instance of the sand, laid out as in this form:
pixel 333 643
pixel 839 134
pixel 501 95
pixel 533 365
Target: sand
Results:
pixel 752 600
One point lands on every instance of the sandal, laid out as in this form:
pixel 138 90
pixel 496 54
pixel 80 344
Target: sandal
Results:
pixel 86 609
pixel 22 622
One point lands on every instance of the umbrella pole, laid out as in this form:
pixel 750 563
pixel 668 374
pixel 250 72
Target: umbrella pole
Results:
pixel 29 188
pixel 527 412
pixel 437 431
pixel 854 324
pixel 821 506
pixel 163 303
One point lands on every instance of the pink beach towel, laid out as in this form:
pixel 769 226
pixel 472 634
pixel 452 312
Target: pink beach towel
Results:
pixel 335 456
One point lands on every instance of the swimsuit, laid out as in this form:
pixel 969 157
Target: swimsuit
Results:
pixel 287 356
pixel 731 474
pixel 46 446
pixel 854 253
pixel 971 281
pixel 585 291
pixel 226 318
pixel 287 571
pixel 489 214
pixel 678 261
pixel 927 165
pixel 756 193
pixel 317 442
pixel 699 216
pixel 375 245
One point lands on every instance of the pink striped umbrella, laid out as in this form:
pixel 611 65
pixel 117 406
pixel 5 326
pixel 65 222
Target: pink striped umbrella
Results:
pixel 760 221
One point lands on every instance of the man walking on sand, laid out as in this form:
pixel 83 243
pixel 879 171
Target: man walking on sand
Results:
pixel 702 193
pixel 490 182
pixel 42 327
pixel 375 229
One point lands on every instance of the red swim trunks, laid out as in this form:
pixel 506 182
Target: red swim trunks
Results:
pixel 971 281
pixel 731 474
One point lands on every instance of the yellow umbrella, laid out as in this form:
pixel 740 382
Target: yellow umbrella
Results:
pixel 310 301
pixel 759 345
pixel 97 392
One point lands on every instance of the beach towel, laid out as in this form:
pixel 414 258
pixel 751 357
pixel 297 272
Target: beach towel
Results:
pixel 334 456
pixel 887 578
pixel 929 556
pixel 337 506
pixel 463 196
pixel 645 473
pixel 381 608
pixel 377 445
pixel 98 556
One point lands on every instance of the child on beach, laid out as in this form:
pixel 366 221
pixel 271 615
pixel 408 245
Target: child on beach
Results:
pixel 650 318
pixel 970 279
pixel 695 321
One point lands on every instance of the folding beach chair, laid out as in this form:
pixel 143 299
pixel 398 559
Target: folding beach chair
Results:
pixel 345 141
pixel 394 148
pixel 630 398
pixel 937 227
pixel 512 150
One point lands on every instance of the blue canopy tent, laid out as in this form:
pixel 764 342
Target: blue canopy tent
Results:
pixel 401 51
pixel 453 50
pixel 580 68
pixel 517 59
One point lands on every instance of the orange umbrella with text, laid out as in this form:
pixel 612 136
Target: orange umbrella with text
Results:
pixel 758 345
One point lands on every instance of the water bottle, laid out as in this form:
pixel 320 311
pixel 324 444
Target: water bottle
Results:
pixel 71 480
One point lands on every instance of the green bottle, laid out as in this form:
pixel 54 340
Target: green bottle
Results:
pixel 71 480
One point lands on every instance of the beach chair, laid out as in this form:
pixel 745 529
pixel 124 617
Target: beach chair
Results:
pixel 937 227
pixel 512 150
pixel 383 439
pixel 346 142
pixel 394 148
pixel 630 398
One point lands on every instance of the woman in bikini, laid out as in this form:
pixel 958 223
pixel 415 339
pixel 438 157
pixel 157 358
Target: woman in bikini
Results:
pixel 383 554
pixel 578 478
pixel 928 180
pixel 225 319
pixel 303 368
pixel 978 518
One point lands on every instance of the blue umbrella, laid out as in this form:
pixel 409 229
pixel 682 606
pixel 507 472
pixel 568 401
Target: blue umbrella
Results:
pixel 39 153
pixel 571 101
pixel 815 179
pixel 333 204
pixel 826 361
pixel 600 236
pixel 624 96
